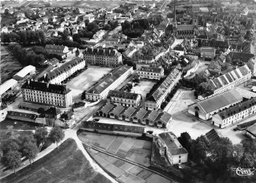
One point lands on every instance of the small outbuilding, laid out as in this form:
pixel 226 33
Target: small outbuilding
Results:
pixel 26 71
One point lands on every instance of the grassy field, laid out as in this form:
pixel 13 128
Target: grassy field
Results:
pixel 64 164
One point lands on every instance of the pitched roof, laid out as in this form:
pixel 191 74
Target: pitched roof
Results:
pixel 155 94
pixel 252 129
pixel 152 116
pixel 118 110
pixel 107 108
pixel 165 117
pixel 121 94
pixel 46 87
pixel 246 104
pixel 150 69
pixel 219 101
pixel 26 70
pixel 129 111
pixel 101 51
pixel 65 67
pixel 212 135
pixel 7 85
pixel 141 113
pixel 245 57
pixel 104 83
pixel 172 143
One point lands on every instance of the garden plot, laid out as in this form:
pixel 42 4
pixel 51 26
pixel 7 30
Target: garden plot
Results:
pixel 143 87
pixel 87 78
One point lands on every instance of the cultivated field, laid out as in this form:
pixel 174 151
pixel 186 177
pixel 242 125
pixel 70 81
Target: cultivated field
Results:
pixel 86 79
pixel 64 164
pixel 143 87
pixel 126 172
pixel 125 147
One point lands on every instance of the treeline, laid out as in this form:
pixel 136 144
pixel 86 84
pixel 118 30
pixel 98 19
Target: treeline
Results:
pixel 135 28
pixel 34 56
pixel 219 157
pixel 15 146
pixel 26 38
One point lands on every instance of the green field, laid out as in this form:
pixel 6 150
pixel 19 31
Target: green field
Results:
pixel 64 164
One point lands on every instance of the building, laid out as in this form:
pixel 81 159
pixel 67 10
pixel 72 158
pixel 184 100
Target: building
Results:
pixel 231 79
pixel 127 130
pixel 185 31
pixel 158 94
pixel 214 43
pixel 127 114
pixel 60 50
pixel 7 87
pixel 235 113
pixel 105 110
pixel 207 52
pixel 207 108
pixel 59 74
pixel 170 149
pixel 252 65
pixel 45 93
pixel 108 57
pixel 124 98
pixel 111 81
pixel 117 111
pixel 150 73
pixel 251 131
pixel 212 136
pixel 26 71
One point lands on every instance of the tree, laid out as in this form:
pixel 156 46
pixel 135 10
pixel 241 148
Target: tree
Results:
pixel 29 150
pixel 41 135
pixel 199 149
pixel 185 140
pixel 12 159
pixel 107 27
pixel 56 135
pixel 10 145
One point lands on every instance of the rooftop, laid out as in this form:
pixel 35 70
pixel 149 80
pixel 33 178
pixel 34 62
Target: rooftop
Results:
pixel 46 87
pixel 252 129
pixel 104 83
pixel 124 95
pixel 172 143
pixel 246 104
pixel 219 101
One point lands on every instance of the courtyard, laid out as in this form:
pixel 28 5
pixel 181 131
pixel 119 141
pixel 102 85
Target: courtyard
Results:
pixel 86 79
pixel 143 87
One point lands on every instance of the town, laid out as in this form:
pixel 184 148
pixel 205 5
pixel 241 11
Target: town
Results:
pixel 128 91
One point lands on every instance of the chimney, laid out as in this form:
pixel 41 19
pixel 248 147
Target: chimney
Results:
pixel 47 85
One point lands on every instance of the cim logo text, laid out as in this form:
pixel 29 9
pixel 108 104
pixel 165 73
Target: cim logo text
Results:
pixel 245 172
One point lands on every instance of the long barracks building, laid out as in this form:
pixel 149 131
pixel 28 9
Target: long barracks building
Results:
pixel 45 93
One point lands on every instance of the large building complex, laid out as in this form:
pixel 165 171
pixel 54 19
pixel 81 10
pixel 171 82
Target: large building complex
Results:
pixel 156 97
pixel 205 109
pixel 185 31
pixel 150 72
pixel 111 81
pixel 230 80
pixel 234 114
pixel 45 93
pixel 170 148
pixel 124 98
pixel 103 57
pixel 58 75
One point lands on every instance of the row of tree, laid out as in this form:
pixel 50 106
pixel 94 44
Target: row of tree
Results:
pixel 27 37
pixel 219 156
pixel 26 146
